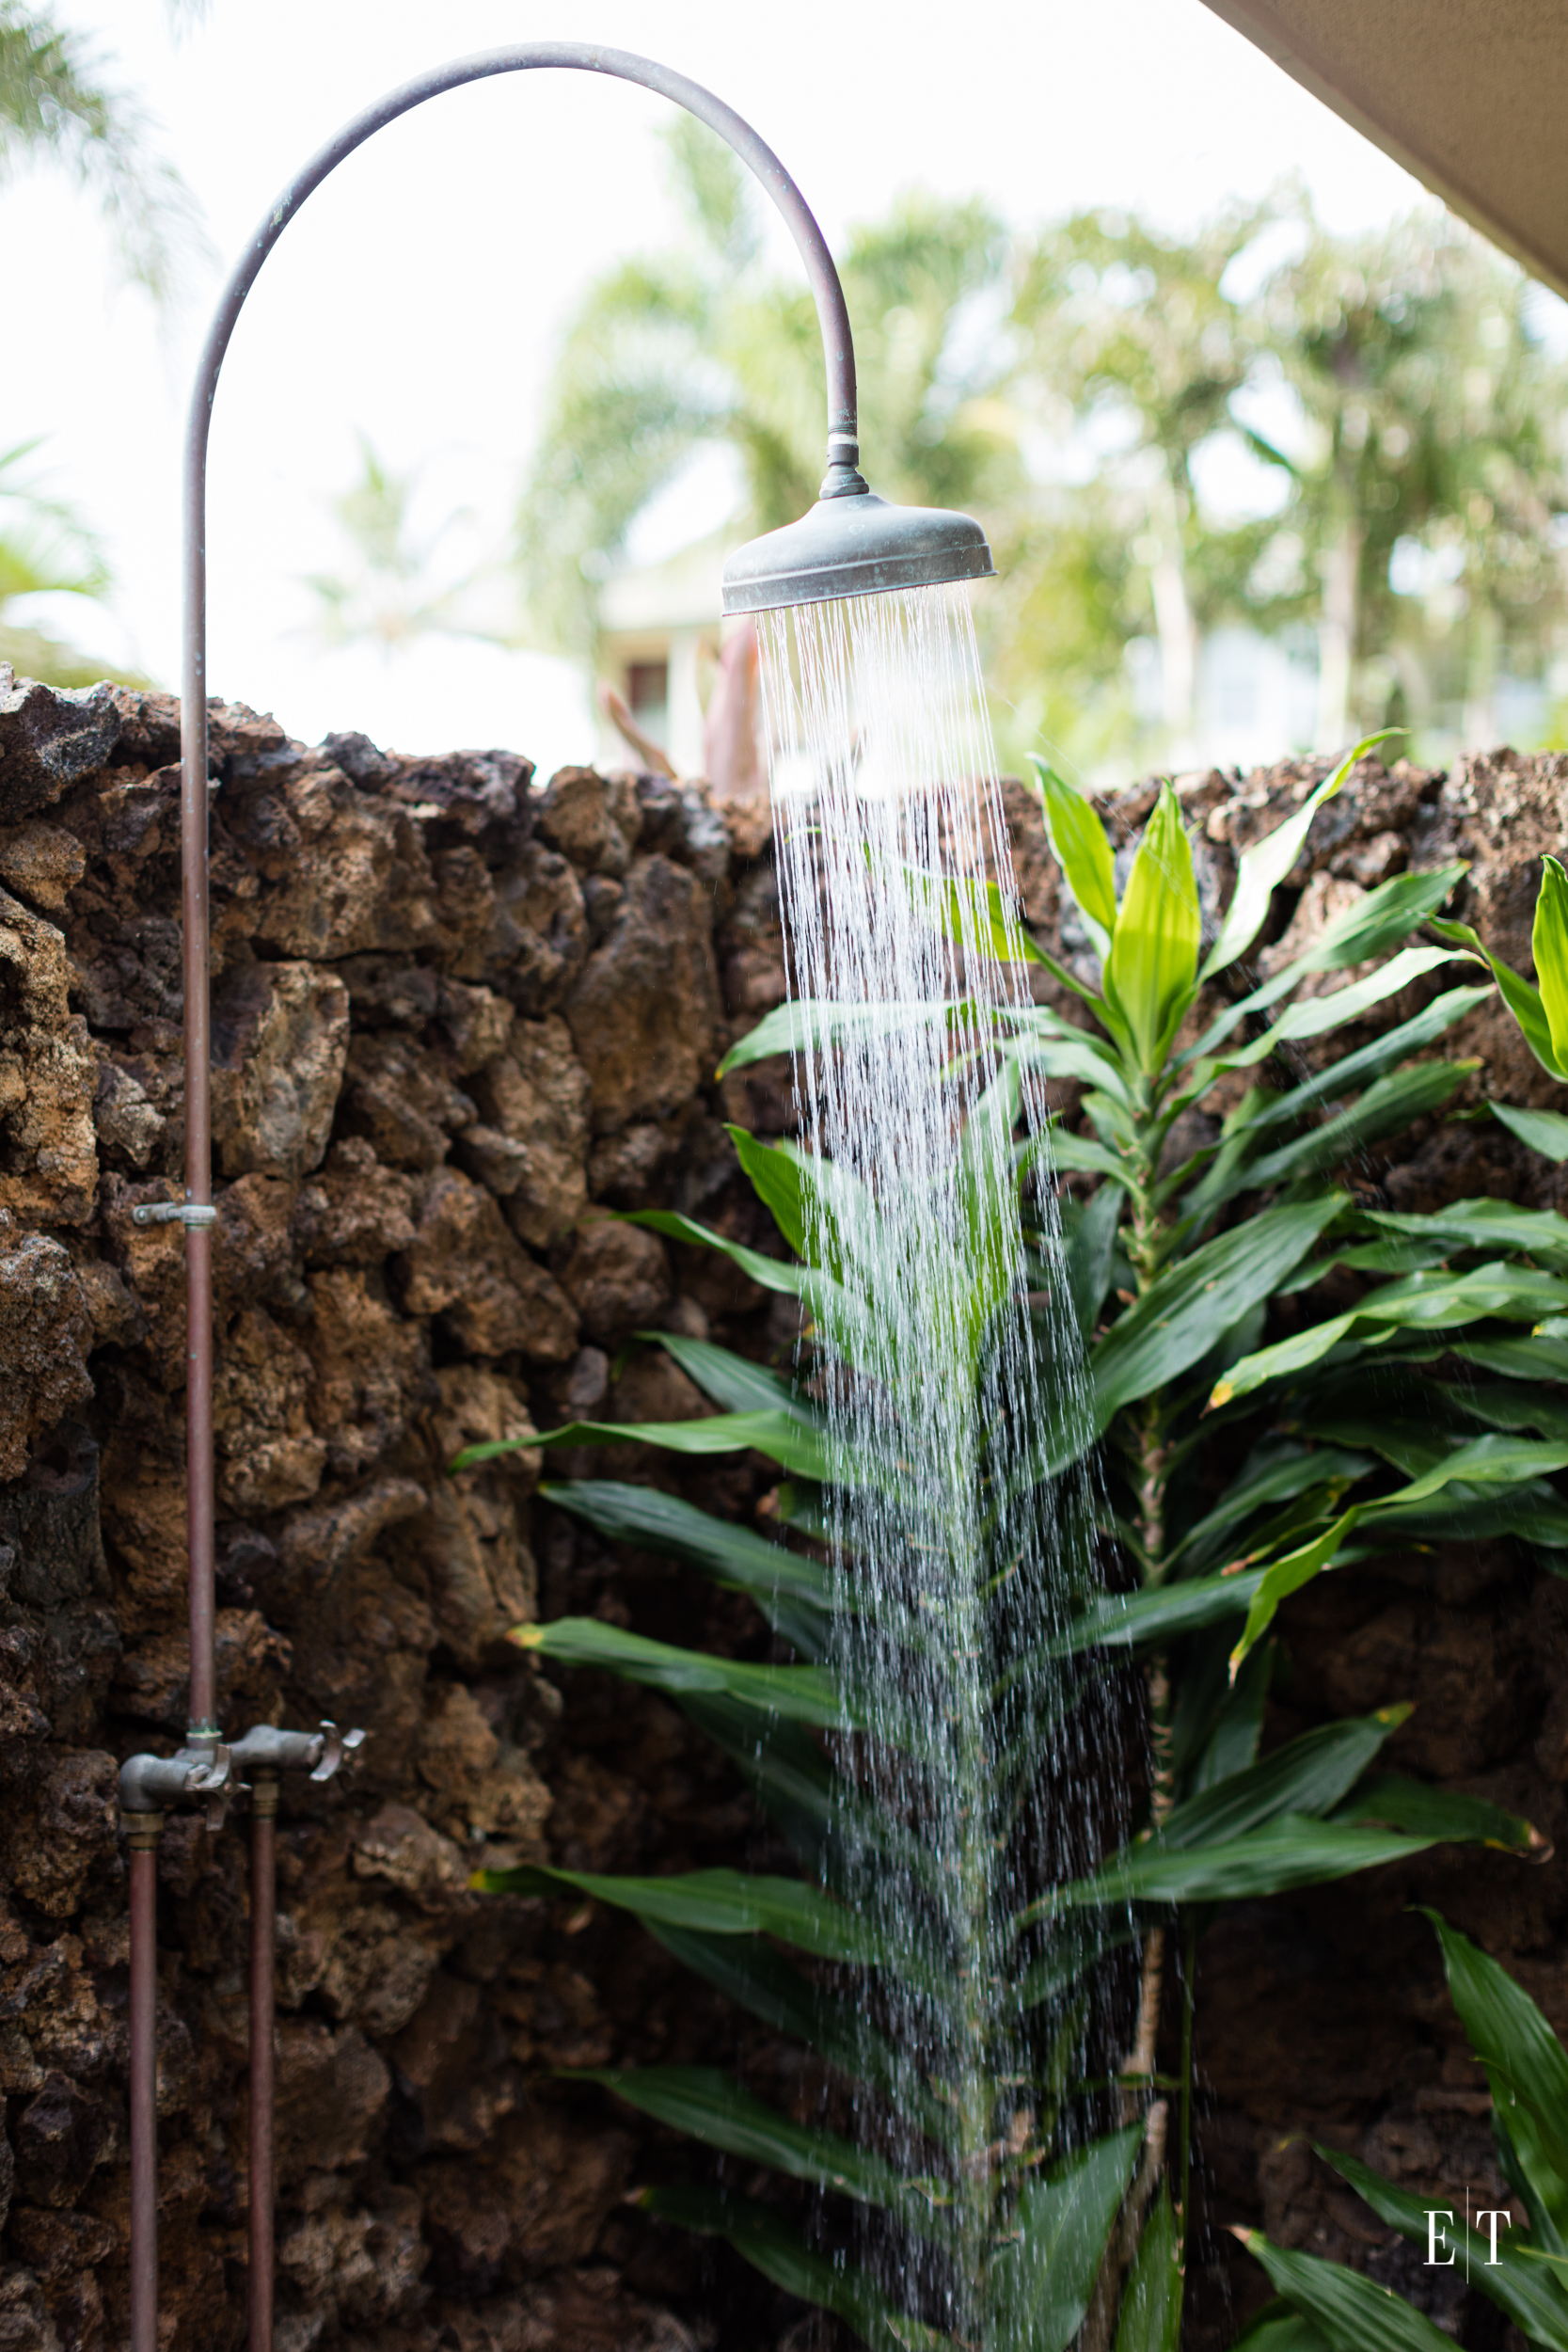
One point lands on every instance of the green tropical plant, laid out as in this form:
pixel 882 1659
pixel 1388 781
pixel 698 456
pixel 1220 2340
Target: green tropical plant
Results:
pixel 1234 1473
pixel 1540 1006
pixel 45 547
pixel 1321 2307
pixel 58 104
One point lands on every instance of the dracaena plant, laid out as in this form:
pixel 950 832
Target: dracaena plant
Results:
pixel 1540 1006
pixel 1233 1472
pixel 1521 2267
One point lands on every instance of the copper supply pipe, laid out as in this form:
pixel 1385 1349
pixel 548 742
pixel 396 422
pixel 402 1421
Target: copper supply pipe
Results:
pixel 263 1926
pixel 145 1829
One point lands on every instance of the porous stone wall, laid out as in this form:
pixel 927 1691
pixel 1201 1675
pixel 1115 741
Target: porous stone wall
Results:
pixel 457 1020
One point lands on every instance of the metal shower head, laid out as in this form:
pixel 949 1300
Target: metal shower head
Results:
pixel 854 544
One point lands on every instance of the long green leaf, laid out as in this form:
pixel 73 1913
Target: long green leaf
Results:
pixel 1151 2318
pixel 820 1209
pixel 1352 2313
pixel 1083 850
pixel 1315 1016
pixel 803 1695
pixel 977 914
pixel 1535 2301
pixel 1264 864
pixel 760 2237
pixel 816 1290
pixel 703 2101
pixel 1421 1811
pixel 1425 1302
pixel 1273 1474
pixel 1373 927
pixel 1041 2283
pixel 1151 972
pixel 779 1433
pixel 1279 2328
pixel 1308 1775
pixel 1492 1460
pixel 1546 1131
pixel 1522 999
pixel 1356 1070
pixel 1129 1620
pixel 818 1025
pixel 1481 1225
pixel 731 1380
pixel 712 1902
pixel 1089 1255
pixel 1293 1851
pixel 659 1522
pixel 1525 2064
pixel 1508 1405
pixel 1387 1108
pixel 752 1974
pixel 1549 946
pixel 1179 1317
pixel 1282 1578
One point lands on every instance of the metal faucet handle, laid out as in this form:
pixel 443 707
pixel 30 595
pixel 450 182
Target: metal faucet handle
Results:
pixel 336 1747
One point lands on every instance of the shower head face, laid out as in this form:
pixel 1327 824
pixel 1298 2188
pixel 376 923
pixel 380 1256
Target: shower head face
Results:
pixel 855 545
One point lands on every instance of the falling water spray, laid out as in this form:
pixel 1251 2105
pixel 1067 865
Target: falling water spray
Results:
pixel 956 1563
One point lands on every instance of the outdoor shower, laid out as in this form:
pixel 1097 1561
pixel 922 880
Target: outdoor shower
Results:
pixel 850 545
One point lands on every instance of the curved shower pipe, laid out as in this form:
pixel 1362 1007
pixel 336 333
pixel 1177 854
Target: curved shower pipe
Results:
pixel 202 1770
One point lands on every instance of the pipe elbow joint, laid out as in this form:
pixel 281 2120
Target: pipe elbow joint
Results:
pixel 149 1783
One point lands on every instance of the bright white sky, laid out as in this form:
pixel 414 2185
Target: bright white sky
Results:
pixel 419 295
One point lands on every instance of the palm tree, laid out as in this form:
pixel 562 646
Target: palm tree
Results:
pixel 57 106
pixel 679 351
pixel 1127 335
pixel 394 591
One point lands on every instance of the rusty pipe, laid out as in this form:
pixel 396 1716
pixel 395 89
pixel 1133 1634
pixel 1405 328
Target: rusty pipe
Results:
pixel 263 1931
pixel 843 452
pixel 195 1212
pixel 144 1831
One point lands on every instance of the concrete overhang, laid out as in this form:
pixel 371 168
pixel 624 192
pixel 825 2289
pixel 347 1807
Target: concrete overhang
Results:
pixel 1471 96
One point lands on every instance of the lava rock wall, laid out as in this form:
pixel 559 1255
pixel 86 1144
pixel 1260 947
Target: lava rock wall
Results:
pixel 457 1020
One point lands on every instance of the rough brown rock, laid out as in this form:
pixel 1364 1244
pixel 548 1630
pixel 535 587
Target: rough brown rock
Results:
pixel 644 1013
pixel 279 1040
pixel 459 1019
pixel 532 1151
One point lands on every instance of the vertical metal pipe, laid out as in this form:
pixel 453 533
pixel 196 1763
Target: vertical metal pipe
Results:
pixel 198 1112
pixel 263 1920
pixel 203 1734
pixel 144 1829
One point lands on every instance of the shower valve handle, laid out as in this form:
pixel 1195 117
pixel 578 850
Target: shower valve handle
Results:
pixel 336 1749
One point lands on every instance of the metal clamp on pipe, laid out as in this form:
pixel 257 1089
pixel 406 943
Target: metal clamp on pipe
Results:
pixel 198 1213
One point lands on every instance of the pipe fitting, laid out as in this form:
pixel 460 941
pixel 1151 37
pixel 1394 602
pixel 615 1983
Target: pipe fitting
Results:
pixel 148 1784
pixel 266 1751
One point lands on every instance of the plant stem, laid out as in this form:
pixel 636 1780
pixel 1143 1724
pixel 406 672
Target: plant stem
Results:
pixel 1144 1242
pixel 1188 1969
